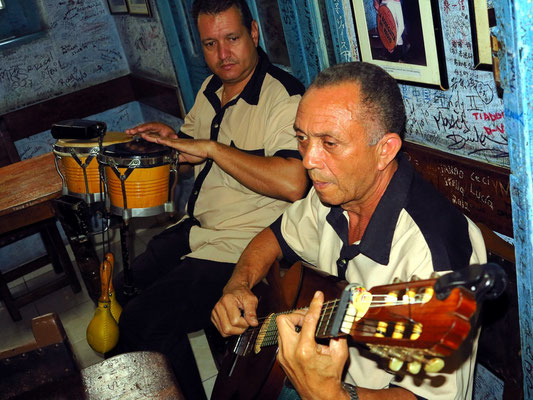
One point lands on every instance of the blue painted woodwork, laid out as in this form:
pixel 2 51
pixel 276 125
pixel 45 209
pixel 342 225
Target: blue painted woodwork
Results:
pixel 342 31
pixel 293 37
pixel 252 4
pixel 516 65
pixel 184 48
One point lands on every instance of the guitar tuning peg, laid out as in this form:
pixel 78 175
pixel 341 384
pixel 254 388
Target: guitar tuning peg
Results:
pixel 399 329
pixel 415 278
pixel 396 280
pixel 428 294
pixel 395 364
pixel 435 275
pixel 379 350
pixel 417 331
pixel 434 365
pixel 414 367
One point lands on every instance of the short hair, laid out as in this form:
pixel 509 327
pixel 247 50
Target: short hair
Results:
pixel 381 96
pixel 214 7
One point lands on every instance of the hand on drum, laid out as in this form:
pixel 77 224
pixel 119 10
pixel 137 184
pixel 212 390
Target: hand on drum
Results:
pixel 192 151
pixel 235 311
pixel 153 128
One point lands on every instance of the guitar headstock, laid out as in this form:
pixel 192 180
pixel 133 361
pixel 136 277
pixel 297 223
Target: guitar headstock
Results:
pixel 406 322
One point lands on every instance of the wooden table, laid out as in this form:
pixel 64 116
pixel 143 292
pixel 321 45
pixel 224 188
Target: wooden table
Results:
pixel 28 193
pixel 27 189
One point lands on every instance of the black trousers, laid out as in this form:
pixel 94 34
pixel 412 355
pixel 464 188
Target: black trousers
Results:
pixel 176 298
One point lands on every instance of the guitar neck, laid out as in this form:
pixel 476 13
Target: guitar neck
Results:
pixel 328 326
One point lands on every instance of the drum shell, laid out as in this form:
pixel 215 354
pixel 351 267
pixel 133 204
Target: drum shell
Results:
pixel 138 178
pixel 74 176
pixel 144 187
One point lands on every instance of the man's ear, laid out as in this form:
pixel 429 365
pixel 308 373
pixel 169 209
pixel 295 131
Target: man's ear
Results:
pixel 389 145
pixel 254 32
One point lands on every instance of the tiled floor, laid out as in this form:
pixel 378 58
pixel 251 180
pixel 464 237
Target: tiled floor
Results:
pixel 76 309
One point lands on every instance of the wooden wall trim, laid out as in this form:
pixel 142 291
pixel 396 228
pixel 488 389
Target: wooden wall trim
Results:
pixel 481 191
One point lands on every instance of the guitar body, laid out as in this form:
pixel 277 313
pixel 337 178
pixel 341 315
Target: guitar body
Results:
pixel 259 376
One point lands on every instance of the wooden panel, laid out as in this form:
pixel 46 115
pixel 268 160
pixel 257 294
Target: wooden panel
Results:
pixel 481 191
pixel 83 103
pixel 157 95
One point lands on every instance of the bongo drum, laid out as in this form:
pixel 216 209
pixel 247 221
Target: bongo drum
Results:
pixel 140 178
pixel 77 166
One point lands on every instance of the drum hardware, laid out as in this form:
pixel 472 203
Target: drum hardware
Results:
pixel 129 288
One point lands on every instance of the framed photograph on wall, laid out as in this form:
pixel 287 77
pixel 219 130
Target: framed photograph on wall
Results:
pixel 117 6
pixel 480 21
pixel 404 38
pixel 139 7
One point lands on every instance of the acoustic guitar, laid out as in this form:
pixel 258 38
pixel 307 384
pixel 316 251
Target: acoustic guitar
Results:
pixel 413 324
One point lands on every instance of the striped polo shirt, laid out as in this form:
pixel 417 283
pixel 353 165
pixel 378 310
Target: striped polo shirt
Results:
pixel 259 121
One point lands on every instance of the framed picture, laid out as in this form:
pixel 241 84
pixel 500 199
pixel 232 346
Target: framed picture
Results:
pixel 117 6
pixel 404 38
pixel 139 7
pixel 480 20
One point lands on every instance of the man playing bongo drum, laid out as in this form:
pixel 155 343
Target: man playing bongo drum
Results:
pixel 240 141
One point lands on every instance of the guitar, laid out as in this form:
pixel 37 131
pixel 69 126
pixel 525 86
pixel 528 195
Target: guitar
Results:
pixel 414 323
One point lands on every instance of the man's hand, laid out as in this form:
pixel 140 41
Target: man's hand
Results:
pixel 315 370
pixel 235 311
pixel 192 151
pixel 154 128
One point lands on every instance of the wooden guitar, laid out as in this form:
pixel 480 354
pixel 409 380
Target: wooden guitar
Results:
pixel 412 323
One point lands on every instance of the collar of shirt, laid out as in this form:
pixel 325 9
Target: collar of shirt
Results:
pixel 251 91
pixel 377 240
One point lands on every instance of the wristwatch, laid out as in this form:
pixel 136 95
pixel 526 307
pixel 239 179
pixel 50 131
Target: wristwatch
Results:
pixel 351 390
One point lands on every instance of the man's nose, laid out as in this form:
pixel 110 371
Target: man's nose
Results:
pixel 312 156
pixel 223 51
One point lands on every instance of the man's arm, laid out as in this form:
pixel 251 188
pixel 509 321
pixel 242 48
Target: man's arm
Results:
pixel 236 309
pixel 316 370
pixel 277 177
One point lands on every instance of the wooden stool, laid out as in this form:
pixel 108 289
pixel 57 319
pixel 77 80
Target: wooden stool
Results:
pixel 56 253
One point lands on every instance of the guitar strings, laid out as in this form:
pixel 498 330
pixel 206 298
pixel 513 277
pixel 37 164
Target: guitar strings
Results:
pixel 382 300
pixel 332 307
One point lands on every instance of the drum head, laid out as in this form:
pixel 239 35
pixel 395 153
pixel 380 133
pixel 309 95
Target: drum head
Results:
pixel 138 149
pixel 136 154
pixel 109 139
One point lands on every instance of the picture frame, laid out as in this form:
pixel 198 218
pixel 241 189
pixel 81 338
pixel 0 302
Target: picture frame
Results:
pixel 480 21
pixel 404 38
pixel 139 7
pixel 117 6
